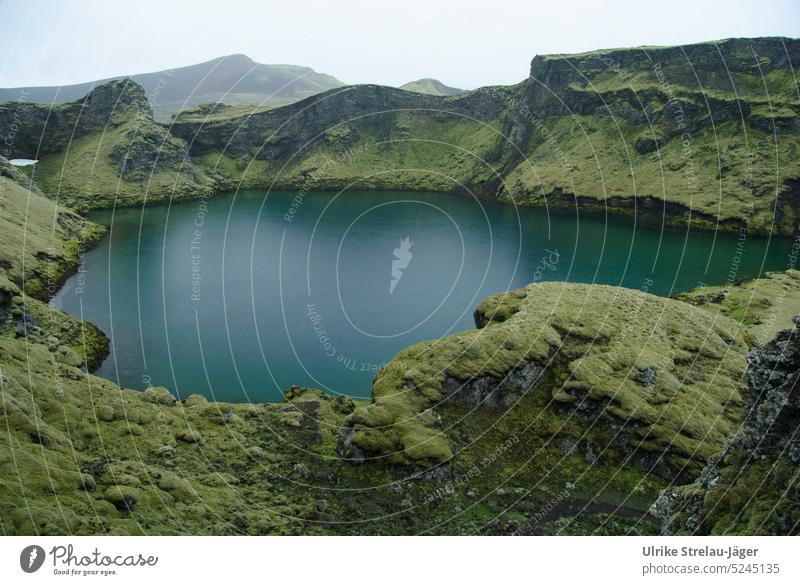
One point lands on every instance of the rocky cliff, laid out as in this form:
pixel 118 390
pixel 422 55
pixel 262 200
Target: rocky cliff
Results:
pixel 32 130
pixel 667 133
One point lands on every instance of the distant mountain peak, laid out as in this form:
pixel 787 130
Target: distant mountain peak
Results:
pixel 233 58
pixel 430 86
pixel 230 79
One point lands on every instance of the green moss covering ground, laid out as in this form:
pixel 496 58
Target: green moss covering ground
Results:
pixel 752 486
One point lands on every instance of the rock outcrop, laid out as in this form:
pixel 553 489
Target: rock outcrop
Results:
pixel 102 149
pixel 30 130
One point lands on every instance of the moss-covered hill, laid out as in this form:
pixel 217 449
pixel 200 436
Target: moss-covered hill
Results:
pixel 752 486
pixel 101 149
pixel 765 305
pixel 706 133
pixel 651 380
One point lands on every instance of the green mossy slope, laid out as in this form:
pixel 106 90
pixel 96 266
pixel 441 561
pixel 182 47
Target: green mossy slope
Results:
pixel 40 242
pixel 764 305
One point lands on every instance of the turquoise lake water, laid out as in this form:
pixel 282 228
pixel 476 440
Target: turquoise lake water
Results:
pixel 243 295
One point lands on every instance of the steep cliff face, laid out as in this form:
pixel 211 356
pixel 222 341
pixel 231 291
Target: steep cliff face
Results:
pixel 752 486
pixel 285 132
pixel 369 135
pixel 702 132
pixel 734 74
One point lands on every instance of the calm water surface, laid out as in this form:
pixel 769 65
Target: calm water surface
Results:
pixel 231 299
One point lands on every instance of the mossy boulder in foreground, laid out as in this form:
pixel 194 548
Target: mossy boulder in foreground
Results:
pixel 661 377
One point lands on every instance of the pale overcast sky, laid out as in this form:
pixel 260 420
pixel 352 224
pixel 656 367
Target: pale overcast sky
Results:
pixel 464 43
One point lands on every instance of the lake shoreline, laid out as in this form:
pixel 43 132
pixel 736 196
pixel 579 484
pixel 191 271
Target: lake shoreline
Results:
pixel 640 209
pixel 609 227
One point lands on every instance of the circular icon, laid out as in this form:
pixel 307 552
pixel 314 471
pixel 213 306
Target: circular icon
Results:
pixel 31 558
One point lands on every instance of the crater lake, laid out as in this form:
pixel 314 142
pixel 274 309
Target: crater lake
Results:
pixel 242 295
